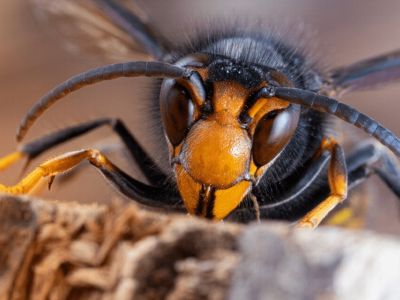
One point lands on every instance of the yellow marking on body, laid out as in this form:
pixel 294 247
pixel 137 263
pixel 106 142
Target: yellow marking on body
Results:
pixel 203 72
pixel 261 108
pixel 253 168
pixel 188 188
pixel 229 97
pixel 10 159
pixel 194 93
pixel 176 150
pixel 265 105
pixel 261 170
pixel 227 200
pixel 216 154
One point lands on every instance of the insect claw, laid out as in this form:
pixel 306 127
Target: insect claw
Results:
pixel 50 183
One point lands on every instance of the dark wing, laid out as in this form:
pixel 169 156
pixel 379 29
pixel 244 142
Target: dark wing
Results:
pixel 365 74
pixel 114 28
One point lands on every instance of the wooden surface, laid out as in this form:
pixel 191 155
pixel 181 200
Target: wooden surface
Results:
pixel 53 250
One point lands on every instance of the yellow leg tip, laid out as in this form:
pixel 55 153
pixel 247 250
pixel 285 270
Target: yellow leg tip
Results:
pixel 308 224
pixel 10 159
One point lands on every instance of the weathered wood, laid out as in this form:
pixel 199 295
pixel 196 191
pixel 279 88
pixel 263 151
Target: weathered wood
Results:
pixel 55 250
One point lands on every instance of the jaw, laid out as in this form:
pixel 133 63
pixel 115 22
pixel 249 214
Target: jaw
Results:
pixel 206 200
pixel 213 169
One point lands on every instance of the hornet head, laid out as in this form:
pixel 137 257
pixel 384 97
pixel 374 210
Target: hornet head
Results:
pixel 222 134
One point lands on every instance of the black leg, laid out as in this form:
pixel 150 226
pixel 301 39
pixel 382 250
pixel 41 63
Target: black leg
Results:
pixel 371 158
pixel 292 205
pixel 376 159
pixel 156 197
pixel 307 180
pixel 149 168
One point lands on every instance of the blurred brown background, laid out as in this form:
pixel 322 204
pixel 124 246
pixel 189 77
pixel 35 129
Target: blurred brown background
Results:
pixel 32 60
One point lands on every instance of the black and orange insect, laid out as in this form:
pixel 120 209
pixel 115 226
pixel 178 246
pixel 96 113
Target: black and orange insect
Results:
pixel 245 119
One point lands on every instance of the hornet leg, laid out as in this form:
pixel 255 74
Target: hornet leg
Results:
pixel 144 194
pixel 33 149
pixel 371 158
pixel 338 184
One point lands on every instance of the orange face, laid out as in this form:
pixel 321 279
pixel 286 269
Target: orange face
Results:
pixel 213 151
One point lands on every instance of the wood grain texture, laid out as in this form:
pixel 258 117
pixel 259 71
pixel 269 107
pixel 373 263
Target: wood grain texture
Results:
pixel 55 250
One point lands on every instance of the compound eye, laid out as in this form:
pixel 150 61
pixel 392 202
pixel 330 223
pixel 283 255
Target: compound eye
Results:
pixel 273 133
pixel 177 112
